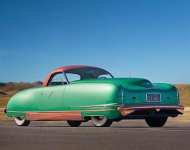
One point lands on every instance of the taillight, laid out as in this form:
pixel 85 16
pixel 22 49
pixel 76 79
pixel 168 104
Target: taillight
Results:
pixel 178 97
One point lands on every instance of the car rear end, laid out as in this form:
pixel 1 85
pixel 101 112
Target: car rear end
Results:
pixel 139 101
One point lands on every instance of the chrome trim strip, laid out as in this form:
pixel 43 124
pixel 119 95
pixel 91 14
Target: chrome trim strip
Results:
pixel 101 105
pixel 150 107
pixel 64 111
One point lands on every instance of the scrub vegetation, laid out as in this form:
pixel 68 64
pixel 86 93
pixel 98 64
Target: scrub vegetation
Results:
pixel 184 90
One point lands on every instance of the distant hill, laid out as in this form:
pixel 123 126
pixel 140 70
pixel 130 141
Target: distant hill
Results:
pixel 16 86
pixel 10 88
pixel 3 93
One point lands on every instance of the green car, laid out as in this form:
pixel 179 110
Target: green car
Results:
pixel 78 94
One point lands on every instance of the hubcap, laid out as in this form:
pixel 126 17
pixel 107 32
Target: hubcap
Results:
pixel 19 121
pixel 99 120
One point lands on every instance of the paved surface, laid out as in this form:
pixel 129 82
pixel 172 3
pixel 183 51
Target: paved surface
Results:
pixel 128 135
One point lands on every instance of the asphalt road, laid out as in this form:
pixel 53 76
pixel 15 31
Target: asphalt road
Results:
pixel 128 135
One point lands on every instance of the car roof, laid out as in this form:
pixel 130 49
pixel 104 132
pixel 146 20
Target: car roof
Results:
pixel 78 69
pixel 72 67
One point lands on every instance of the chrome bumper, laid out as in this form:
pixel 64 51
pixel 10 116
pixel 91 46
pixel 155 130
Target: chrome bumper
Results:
pixel 125 110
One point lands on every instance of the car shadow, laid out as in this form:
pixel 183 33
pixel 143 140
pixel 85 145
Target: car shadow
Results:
pixel 113 127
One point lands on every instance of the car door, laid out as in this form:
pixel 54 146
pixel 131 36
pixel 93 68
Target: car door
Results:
pixel 52 96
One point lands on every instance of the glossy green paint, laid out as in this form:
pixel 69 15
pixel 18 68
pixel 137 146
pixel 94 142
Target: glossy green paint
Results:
pixel 91 97
pixel 138 88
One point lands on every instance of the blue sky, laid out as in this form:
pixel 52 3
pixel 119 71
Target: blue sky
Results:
pixel 140 38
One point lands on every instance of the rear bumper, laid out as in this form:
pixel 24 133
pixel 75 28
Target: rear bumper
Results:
pixel 125 110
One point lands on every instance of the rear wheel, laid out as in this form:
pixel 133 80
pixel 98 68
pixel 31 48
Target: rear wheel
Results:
pixel 101 121
pixel 21 122
pixel 74 123
pixel 156 121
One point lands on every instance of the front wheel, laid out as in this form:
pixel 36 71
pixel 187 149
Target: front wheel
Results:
pixel 74 123
pixel 156 121
pixel 21 122
pixel 101 121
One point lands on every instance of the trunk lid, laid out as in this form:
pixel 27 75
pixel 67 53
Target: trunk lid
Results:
pixel 156 95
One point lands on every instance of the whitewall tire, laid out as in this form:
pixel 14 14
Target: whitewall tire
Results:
pixel 21 122
pixel 101 121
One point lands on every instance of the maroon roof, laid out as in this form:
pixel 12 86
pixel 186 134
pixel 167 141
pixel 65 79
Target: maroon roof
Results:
pixel 67 68
pixel 78 69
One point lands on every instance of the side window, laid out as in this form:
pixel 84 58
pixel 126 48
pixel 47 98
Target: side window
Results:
pixel 72 77
pixel 57 79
